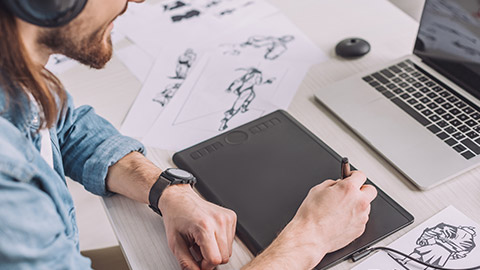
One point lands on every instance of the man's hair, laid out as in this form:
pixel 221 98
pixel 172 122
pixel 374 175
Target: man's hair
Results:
pixel 20 76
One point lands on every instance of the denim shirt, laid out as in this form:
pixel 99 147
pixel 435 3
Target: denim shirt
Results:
pixel 38 229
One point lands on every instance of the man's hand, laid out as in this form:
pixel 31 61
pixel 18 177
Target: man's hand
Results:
pixel 192 222
pixel 333 214
pixel 337 210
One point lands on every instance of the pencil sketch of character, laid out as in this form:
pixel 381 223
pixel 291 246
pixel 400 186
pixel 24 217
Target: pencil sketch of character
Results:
pixel 167 94
pixel 439 244
pixel 244 88
pixel 185 62
pixel 233 10
pixel 227 12
pixel 213 3
pixel 276 46
pixel 190 14
pixel 173 6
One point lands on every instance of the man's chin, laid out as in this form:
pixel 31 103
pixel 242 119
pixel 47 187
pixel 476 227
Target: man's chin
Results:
pixel 96 61
pixel 101 57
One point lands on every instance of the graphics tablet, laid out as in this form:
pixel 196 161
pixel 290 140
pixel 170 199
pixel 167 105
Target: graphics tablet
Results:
pixel 264 169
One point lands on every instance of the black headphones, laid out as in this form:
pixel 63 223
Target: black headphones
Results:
pixel 45 13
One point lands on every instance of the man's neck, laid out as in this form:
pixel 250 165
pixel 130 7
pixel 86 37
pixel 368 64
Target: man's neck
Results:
pixel 29 33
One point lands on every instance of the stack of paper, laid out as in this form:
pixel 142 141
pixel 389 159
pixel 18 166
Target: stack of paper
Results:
pixel 207 66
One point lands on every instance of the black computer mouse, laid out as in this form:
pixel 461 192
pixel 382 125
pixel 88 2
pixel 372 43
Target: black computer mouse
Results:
pixel 352 48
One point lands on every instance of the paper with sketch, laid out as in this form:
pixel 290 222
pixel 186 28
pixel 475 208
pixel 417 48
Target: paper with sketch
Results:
pixel 272 38
pixel 166 77
pixel 448 239
pixel 223 93
pixel 176 22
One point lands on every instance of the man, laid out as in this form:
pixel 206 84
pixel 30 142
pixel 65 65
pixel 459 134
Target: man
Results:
pixel 44 138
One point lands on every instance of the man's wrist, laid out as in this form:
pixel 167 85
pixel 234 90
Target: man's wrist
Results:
pixel 172 192
pixel 295 245
pixel 169 177
pixel 303 240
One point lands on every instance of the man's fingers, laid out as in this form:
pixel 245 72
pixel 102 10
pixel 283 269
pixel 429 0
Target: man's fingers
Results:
pixel 210 252
pixel 357 179
pixel 328 183
pixel 369 191
pixel 183 255
pixel 223 246
pixel 231 236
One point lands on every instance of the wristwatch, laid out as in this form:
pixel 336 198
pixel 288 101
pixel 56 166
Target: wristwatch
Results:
pixel 167 178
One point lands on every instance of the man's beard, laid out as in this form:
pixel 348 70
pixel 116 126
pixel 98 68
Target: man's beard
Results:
pixel 89 50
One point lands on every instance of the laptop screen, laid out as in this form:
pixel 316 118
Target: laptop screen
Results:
pixel 449 41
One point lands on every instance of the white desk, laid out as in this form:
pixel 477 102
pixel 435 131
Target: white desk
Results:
pixel 391 32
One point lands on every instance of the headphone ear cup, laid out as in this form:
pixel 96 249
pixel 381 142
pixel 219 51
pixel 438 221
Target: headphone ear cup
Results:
pixel 45 13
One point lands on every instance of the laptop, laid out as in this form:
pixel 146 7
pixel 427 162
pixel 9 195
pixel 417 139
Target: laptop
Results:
pixel 422 112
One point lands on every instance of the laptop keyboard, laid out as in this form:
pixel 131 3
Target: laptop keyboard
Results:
pixel 442 111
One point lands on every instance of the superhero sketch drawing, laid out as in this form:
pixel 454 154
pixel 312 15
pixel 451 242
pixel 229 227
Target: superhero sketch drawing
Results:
pixel 173 6
pixel 232 10
pixel 438 245
pixel 213 3
pixel 244 88
pixel 190 14
pixel 275 46
pixel 184 63
pixel 167 94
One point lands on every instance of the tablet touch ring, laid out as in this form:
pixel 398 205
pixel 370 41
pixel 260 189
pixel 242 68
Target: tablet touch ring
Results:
pixel 236 137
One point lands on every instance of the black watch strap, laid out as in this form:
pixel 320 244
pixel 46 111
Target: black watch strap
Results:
pixel 167 178
pixel 156 191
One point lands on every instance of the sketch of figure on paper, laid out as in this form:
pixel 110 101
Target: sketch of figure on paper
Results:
pixel 190 14
pixel 439 244
pixel 184 63
pixel 244 87
pixel 275 46
pixel 174 5
pixel 213 3
pixel 233 10
pixel 167 94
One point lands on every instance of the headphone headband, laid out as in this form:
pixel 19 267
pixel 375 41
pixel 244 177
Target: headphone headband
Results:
pixel 45 13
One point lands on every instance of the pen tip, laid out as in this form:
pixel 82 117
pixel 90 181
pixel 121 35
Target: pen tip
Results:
pixel 344 160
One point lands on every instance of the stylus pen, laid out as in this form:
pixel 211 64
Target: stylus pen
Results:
pixel 345 168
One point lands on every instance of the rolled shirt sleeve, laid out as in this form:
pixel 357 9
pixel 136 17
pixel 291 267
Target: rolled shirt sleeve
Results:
pixel 89 145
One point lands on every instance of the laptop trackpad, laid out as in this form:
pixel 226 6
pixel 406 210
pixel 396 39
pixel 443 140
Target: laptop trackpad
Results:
pixel 399 138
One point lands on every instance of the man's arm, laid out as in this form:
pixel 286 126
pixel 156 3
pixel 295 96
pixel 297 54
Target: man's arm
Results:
pixel 332 215
pixel 94 153
pixel 189 220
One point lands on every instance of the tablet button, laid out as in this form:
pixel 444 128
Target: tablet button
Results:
pixel 236 137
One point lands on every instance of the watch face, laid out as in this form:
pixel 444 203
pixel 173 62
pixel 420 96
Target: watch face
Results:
pixel 179 173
